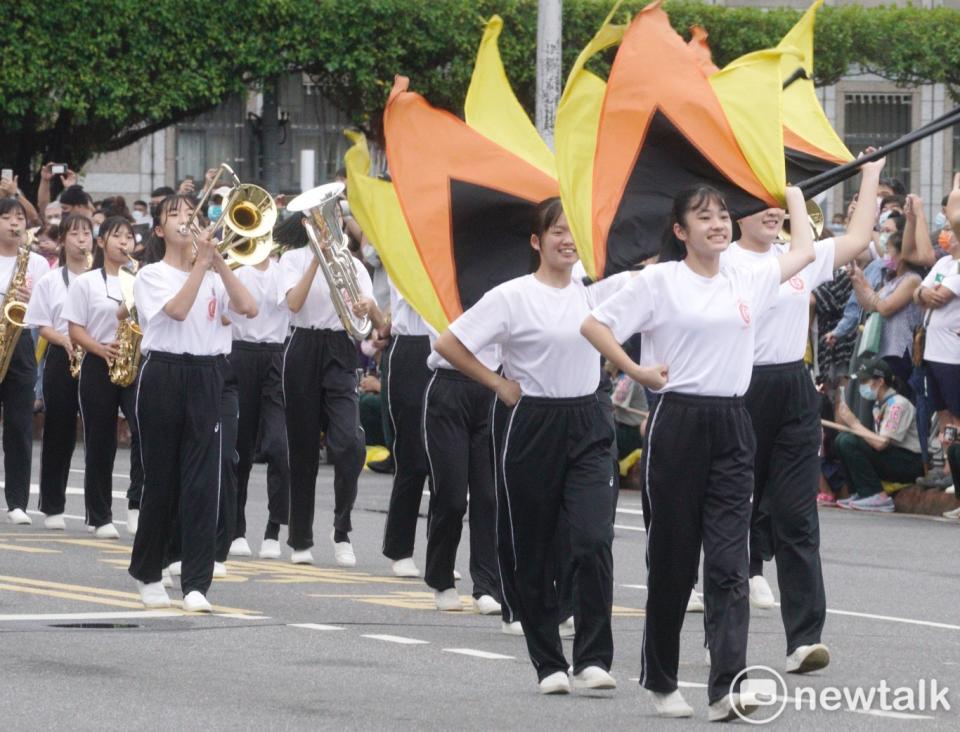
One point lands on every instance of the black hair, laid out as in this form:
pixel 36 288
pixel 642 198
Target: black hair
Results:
pixel 691 199
pixel 162 191
pixel 899 220
pixel 895 240
pixel 289 232
pixel 156 247
pixel 75 196
pixel 140 202
pixel 9 204
pixel 115 206
pixel 943 201
pixel 69 223
pixel 897 199
pixel 545 215
pixel 895 185
pixel 109 225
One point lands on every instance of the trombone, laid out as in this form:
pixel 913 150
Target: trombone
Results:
pixel 322 216
pixel 249 212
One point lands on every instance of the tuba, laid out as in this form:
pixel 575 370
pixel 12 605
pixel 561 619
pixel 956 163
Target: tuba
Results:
pixel 249 212
pixel 13 311
pixel 123 369
pixel 322 216
pixel 814 219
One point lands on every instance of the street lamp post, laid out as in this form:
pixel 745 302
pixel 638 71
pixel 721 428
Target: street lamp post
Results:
pixel 549 65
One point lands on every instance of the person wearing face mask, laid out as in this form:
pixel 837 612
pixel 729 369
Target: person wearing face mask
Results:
pixel 894 301
pixel 888 452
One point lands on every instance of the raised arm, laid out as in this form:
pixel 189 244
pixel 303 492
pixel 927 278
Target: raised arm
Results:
pixel 241 301
pixel 801 252
pixel 916 246
pixel 297 295
pixel 860 229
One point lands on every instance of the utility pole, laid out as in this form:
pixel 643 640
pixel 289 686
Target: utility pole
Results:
pixel 549 65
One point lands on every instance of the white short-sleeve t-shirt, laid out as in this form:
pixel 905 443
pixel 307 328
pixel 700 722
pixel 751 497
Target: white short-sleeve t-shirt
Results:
pixel 92 303
pixel 47 300
pixel 317 311
pixel 404 320
pixel 273 316
pixel 37 269
pixel 198 333
pixel 702 328
pixel 538 330
pixel 782 328
pixel 943 330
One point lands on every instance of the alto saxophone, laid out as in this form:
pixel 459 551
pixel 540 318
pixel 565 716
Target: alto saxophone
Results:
pixel 123 369
pixel 76 360
pixel 11 321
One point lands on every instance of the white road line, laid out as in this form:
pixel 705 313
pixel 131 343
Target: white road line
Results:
pixel 635 587
pixel 143 614
pixel 240 616
pixel 75 518
pixel 631 511
pixel 625 527
pixel 478 654
pixel 315 626
pixel 396 639
pixel 115 475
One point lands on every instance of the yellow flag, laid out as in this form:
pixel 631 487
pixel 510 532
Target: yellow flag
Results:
pixel 493 110
pixel 375 205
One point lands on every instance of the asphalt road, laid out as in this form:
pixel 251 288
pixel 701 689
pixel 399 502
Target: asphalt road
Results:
pixel 324 648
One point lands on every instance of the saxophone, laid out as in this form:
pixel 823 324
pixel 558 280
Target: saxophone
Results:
pixel 11 321
pixel 123 369
pixel 76 360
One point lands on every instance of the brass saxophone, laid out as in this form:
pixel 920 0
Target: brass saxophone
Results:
pixel 76 360
pixel 123 369
pixel 11 322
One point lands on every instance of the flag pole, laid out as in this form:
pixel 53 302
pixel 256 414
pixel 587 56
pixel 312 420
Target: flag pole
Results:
pixel 549 65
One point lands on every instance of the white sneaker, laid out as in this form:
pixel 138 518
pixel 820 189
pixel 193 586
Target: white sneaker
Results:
pixel 55 523
pixel 174 569
pixel 594 677
pixel 405 568
pixel 486 605
pixel 133 520
pixel 726 708
pixel 166 580
pixel 240 548
pixel 514 628
pixel 671 705
pixel 303 556
pixel 954 514
pixel 19 517
pixel 343 553
pixel 556 683
pixel 456 576
pixel 448 600
pixel 195 602
pixel 761 596
pixel 808 658
pixel 107 531
pixel 567 628
pixel 695 603
pixel 153 594
pixel 219 569
pixel 270 549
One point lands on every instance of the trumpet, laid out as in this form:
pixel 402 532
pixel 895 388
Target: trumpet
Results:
pixel 814 220
pixel 249 212
pixel 322 220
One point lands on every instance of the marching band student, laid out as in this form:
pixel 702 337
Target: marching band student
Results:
pixel 16 388
pixel 179 394
pixel 257 361
pixel 555 450
pixel 458 441
pixel 93 310
pixel 61 402
pixel 784 408
pixel 407 377
pixel 698 324
pixel 319 388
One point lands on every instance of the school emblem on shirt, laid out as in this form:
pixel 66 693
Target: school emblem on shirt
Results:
pixel 744 310
pixel 212 307
pixel 796 282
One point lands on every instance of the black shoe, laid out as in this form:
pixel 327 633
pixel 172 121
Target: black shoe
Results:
pixel 936 480
pixel 386 465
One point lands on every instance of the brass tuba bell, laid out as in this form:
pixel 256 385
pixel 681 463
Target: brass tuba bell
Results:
pixel 814 220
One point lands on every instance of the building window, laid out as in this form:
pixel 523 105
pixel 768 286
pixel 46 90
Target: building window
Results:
pixel 875 120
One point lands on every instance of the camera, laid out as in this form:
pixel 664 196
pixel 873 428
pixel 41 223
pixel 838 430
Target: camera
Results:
pixel 950 433
pixel 58 169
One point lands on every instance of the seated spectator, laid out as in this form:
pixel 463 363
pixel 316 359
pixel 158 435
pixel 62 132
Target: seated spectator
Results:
pixel 889 452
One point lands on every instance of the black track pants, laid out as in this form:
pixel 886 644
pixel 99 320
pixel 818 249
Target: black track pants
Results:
pixel 61 408
pixel 16 401
pixel 229 421
pixel 456 427
pixel 408 376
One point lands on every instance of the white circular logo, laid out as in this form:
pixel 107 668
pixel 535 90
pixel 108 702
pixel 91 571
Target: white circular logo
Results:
pixel 767 687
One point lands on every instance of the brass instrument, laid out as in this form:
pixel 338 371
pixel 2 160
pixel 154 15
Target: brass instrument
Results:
pixel 814 219
pixel 76 360
pixel 249 212
pixel 322 220
pixel 14 311
pixel 123 369
pixel 257 250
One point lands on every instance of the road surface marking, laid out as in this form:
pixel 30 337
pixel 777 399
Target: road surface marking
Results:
pixel 315 626
pixel 478 654
pixel 396 639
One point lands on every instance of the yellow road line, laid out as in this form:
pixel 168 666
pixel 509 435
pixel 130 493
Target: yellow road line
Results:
pixel 70 596
pixel 28 549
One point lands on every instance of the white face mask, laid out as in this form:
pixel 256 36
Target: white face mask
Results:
pixel 939 221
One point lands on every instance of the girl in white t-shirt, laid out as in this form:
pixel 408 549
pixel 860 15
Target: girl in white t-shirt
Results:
pixel 554 456
pixel 181 299
pixel 698 320
pixel 61 404
pixel 93 310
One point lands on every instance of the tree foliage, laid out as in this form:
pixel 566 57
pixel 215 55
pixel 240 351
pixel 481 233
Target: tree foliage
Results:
pixel 90 76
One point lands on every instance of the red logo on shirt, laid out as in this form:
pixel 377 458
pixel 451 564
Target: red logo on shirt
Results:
pixel 744 311
pixel 796 282
pixel 212 307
